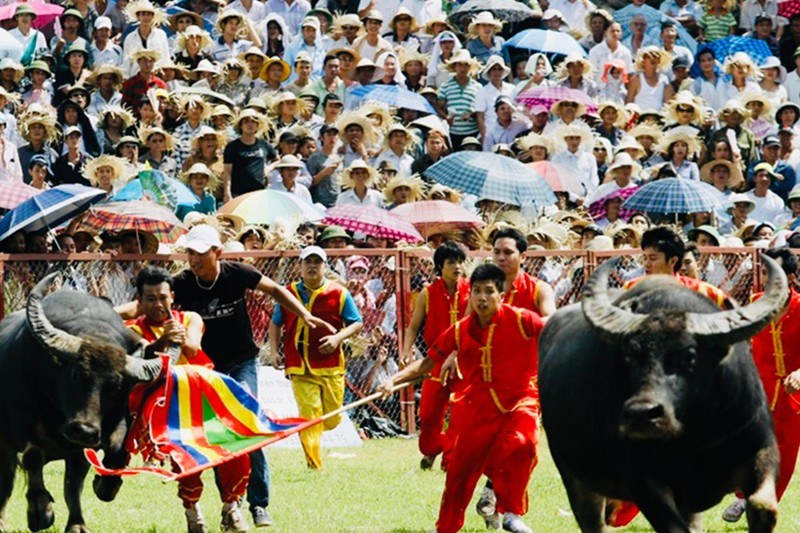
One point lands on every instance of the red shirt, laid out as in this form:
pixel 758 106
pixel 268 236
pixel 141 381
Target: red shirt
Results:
pixel 716 294
pixel 523 292
pixel 443 310
pixel 136 87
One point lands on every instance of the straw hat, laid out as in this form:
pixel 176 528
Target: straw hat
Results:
pixel 414 183
pixel 134 8
pixel 94 164
pixel 253 114
pixel 575 130
pixel 19 70
pixel 738 198
pixel 146 133
pixel 287 70
pixel 619 227
pixel 437 19
pixel 554 235
pixel 172 21
pixel 34 117
pixel 774 62
pixel 556 107
pixel 443 192
pixel 735 172
pixel 534 139
pixel 403 12
pixel 348 19
pixel 733 106
pixel 283 96
pixel 372 109
pixel 623 159
pixel 144 53
pixel 463 56
pixel 127 117
pixel 349 51
pixel 201 168
pixel 289 161
pixel 678 135
pixel 235 220
pixel 743 60
pixel 206 66
pixel 194 31
pixel 373 14
pixel 147 241
pixel 493 61
pixel 348 182
pixel 103 70
pixel 574 57
pixel 484 17
pixel 757 96
pixel 410 56
pixel 262 233
pixel 683 99
pixel 622 115
pixel 629 143
pixel 664 59
pixel 646 130
pixel 205 131
pixel 181 72
pixel 253 51
pixel 226 15
pixel 189 100
pixel 370 136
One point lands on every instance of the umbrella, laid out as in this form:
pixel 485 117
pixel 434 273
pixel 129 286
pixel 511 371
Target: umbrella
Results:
pixel 205 91
pixel 788 8
pixel 49 208
pixel 547 41
pixel 757 49
pixel 492 177
pixel 268 206
pixel 557 177
pixel 372 221
pixel 432 122
pixel 13 193
pixel 598 208
pixel 45 13
pixel 654 18
pixel 9 46
pixel 437 216
pixel 393 95
pixel 673 195
pixel 139 215
pixel 547 96
pixel 134 191
pixel 508 11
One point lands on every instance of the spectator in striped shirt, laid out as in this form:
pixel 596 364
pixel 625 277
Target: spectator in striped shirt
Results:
pixel 458 95
pixel 197 111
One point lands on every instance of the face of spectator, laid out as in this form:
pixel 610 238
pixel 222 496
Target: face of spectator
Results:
pixel 668 36
pixel 623 174
pixel 447 47
pixel 289 175
pixel 496 74
pixel 70 24
pixel 336 243
pixel 722 151
pixel 485 31
pixel 538 153
pixel 198 183
pixel 762 180
pixel 741 210
pixel 38 173
pixel 553 23
pixel 67 245
pixel 434 146
pixel 765 232
pixel 614 33
pixel 74 140
pixel 249 126
pixel 350 32
pixel 354 133
pixel 638 25
pixel 373 27
pixel 15 244
pixel 689 266
pixel 36 244
pixel 504 113
pixel 252 242
pixel 680 149
pixel 575 69
pixel 274 73
pixel 36 132
pixel 204 266
pixel 568 111
pixel 307 148
pixel 332 68
pixel 646 141
pixel 76 60
pixel 704 239
pixel 402 195
pixel 130 152
pixel 787 117
pixel 763 29
pixel 402 24
pixel 413 68
pixel 397 141
pixel 506 256
pixel 145 18
pixel 303 70
pixel 307 237
pixel 573 142
pixel 771 153
pixel 609 115
pixel 720 176
pixel 208 143
pixel 104 175
pixel 156 143
pixel 309 34
pixel 146 65
pixel 389 68
pixel 231 26
pixel 254 63
pixel 364 75
pixel 360 176
pixel 639 222
pixel 462 69
pixel 794 205
pixel 70 116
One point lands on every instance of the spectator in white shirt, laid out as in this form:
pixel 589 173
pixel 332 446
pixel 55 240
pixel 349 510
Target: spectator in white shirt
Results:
pixel 148 36
pixel 255 10
pixel 573 11
pixel 292 11
pixel 289 167
pixel 792 82
pixel 10 166
pixel 229 44
pixel 769 205
pixel 31 40
pixel 104 50
pixel 506 128
pixel 494 72
pixel 358 178
pixel 578 158
pixel 398 140
pixel 611 48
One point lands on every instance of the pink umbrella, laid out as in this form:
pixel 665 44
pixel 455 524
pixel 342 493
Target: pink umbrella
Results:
pixel 598 208
pixel 13 193
pixel 372 221
pixel 437 216
pixel 547 96
pixel 45 13
pixel 558 178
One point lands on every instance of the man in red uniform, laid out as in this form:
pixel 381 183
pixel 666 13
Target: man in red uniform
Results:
pixel 521 289
pixel 776 351
pixel 163 328
pixel 497 357
pixel 439 305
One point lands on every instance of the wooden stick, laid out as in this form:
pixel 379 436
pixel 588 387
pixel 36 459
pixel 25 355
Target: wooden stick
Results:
pixel 365 400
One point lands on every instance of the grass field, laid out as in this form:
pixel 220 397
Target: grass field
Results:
pixel 374 488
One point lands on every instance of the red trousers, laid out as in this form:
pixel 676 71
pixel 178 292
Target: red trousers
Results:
pixel 233 477
pixel 502 445
pixel 787 432
pixel 432 410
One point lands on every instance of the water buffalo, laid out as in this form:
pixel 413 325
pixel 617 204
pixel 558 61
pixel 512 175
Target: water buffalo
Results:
pixel 655 399
pixel 65 374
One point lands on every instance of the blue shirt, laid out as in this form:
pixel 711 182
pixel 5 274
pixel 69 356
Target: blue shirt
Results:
pixel 350 311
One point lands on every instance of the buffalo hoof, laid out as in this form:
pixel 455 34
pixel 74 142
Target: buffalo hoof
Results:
pixel 40 512
pixel 106 487
pixel 77 528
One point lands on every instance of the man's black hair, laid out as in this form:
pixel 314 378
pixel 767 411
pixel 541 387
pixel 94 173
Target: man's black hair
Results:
pixel 328 59
pixel 489 272
pixel 666 241
pixel 152 275
pixel 512 233
pixel 788 259
pixel 447 250
pixel 691 247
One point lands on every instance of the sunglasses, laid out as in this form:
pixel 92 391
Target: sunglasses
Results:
pixel 684 109
pixel 600 149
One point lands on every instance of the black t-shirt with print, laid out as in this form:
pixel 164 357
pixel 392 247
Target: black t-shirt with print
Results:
pixel 247 174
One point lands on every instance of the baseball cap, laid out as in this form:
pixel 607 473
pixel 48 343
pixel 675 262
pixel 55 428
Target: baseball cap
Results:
pixel 102 22
pixel 680 62
pixel 308 251
pixel 761 17
pixel 40 160
pixel 202 238
pixel 72 129
pixel 326 128
pixel 772 140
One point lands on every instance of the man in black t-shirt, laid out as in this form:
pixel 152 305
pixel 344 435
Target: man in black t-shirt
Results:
pixel 216 291
pixel 244 158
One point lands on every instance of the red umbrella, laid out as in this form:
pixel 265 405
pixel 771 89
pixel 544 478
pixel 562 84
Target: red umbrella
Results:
pixel 372 221
pixel 598 208
pixel 141 215
pixel 788 8
pixel 45 12
pixel 13 193
pixel 558 178
pixel 437 216
pixel 547 96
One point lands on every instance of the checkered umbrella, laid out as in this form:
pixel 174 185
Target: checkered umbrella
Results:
pixel 140 215
pixel 757 49
pixel 547 96
pixel 598 208
pixel 394 95
pixel 13 193
pixel 673 195
pixel 437 216
pixel 788 8
pixel 492 177
pixel 372 221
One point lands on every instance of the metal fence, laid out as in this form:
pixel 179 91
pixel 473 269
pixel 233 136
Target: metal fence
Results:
pixel 385 293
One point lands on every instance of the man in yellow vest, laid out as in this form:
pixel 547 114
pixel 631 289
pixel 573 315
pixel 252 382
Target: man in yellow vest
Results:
pixel 314 359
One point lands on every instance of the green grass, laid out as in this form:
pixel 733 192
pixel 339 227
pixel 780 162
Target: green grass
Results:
pixel 374 488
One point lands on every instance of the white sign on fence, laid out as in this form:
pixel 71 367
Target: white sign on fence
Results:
pixel 275 393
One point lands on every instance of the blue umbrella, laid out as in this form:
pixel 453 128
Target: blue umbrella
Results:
pixel 49 208
pixel 134 191
pixel 757 49
pixel 546 41
pixel 394 95
pixel 654 18
pixel 672 196
pixel 492 177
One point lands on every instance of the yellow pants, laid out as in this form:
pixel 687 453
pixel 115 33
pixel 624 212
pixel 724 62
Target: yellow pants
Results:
pixel 316 396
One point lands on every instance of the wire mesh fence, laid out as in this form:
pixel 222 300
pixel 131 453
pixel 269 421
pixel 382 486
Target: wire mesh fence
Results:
pixel 384 285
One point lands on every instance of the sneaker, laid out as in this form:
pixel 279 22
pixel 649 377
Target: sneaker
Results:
pixel 493 521
pixel 232 519
pixel 734 511
pixel 261 517
pixel 426 463
pixel 486 503
pixel 194 520
pixel 514 523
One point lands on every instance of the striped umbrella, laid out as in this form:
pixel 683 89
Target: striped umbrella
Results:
pixel 139 215
pixel 372 221
pixel 437 216
pixel 598 208
pixel 548 96
pixel 492 177
pixel 49 208
pixel 673 195
pixel 13 193
pixel 268 206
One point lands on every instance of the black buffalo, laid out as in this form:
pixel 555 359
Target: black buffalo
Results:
pixel 64 377
pixel 655 399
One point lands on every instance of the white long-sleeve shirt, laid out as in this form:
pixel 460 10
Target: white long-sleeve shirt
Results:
pixel 585 166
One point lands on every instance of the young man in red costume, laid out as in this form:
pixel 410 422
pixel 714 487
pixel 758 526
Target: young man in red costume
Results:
pixel 521 289
pixel 165 330
pixel 776 351
pixel 439 305
pixel 497 356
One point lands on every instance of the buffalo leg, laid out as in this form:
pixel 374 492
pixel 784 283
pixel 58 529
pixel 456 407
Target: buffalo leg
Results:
pixel 8 470
pixel 74 476
pixel 40 502
pixel 587 506
pixel 657 504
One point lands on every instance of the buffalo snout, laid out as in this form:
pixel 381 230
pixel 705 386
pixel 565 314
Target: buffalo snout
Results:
pixel 647 418
pixel 83 433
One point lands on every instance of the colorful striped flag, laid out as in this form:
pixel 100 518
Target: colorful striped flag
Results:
pixel 199 419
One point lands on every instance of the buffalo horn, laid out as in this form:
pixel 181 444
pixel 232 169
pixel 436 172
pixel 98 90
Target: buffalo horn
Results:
pixel 742 323
pixel 54 340
pixel 141 370
pixel 610 321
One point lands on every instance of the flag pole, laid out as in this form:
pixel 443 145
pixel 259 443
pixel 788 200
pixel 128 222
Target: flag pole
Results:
pixel 364 400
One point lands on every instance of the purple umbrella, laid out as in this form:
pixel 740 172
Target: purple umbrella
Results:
pixel 598 208
pixel 547 96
